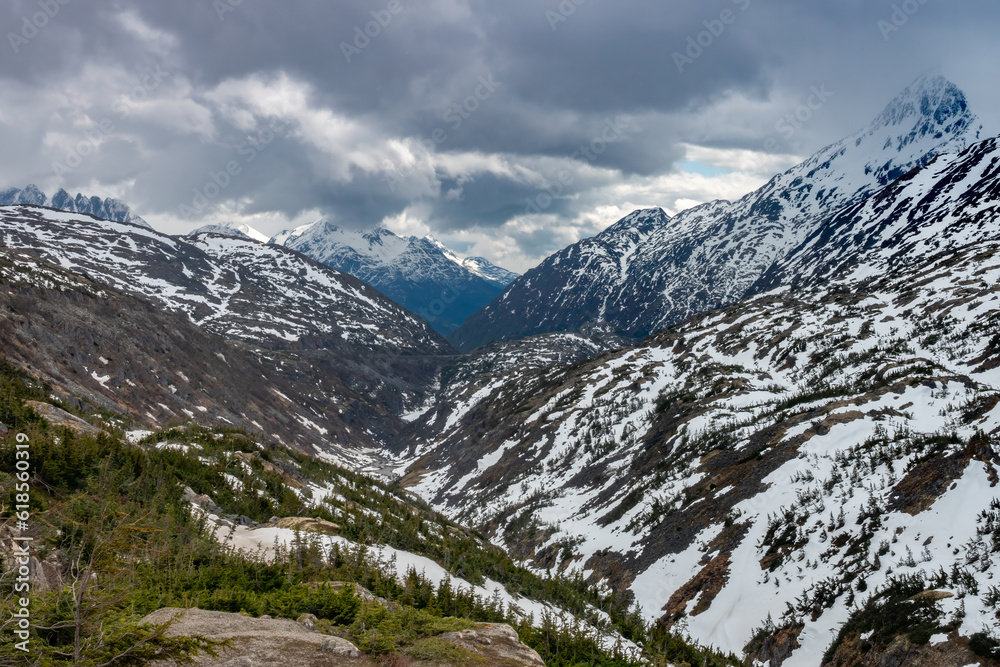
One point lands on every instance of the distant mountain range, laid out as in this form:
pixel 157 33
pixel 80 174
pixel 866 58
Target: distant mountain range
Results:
pixel 105 209
pixel 419 273
pixel 651 270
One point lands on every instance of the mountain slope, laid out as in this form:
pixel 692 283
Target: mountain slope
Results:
pixel 235 229
pixel 338 357
pixel 106 209
pixel 107 350
pixel 784 458
pixel 950 203
pixel 649 271
pixel 420 274
pixel 230 521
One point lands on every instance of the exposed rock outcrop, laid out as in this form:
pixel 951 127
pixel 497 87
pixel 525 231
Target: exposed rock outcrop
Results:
pixel 497 643
pixel 955 652
pixel 259 641
pixel 59 417
pixel 269 641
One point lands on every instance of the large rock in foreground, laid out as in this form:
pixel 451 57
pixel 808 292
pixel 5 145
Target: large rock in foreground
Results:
pixel 498 643
pixel 265 641
pixel 259 641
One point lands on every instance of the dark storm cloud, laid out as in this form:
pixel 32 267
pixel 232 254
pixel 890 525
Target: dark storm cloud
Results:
pixel 721 73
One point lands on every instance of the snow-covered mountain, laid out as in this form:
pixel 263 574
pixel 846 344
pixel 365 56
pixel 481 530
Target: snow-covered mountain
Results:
pixel 806 475
pixel 945 206
pixel 235 229
pixel 650 270
pixel 420 274
pixel 345 361
pixel 106 209
pixel 786 476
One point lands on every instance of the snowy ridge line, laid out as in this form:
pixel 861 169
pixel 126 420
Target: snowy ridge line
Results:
pixel 650 270
pixel 222 280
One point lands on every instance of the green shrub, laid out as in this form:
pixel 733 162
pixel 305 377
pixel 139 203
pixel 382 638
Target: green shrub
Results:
pixel 984 645
pixel 434 649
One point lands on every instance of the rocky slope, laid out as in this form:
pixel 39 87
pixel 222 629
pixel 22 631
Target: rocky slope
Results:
pixel 649 270
pixel 947 205
pixel 420 274
pixel 753 473
pixel 108 350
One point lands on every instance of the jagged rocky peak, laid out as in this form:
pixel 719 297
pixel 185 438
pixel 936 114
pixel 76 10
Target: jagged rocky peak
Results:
pixel 648 270
pixel 106 209
pixel 377 234
pixel 63 201
pixel 930 117
pixel 29 195
pixel 932 105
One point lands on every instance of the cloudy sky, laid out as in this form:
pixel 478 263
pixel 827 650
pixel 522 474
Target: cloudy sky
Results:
pixel 506 128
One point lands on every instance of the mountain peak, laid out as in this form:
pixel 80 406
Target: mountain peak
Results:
pixel 929 117
pixel 419 273
pixel 641 221
pixel 930 106
pixel 232 229
pixel 650 270
pixel 29 195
